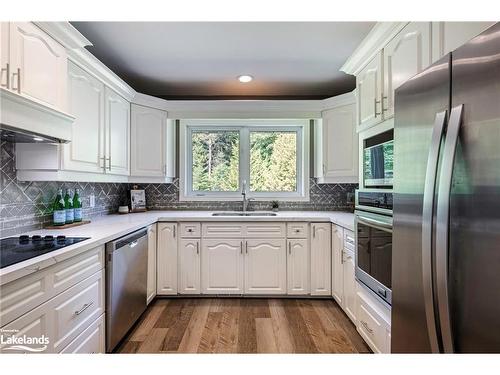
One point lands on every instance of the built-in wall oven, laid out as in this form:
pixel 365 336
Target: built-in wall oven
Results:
pixel 373 239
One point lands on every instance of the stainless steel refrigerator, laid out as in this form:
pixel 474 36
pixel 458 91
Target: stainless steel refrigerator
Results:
pixel 446 241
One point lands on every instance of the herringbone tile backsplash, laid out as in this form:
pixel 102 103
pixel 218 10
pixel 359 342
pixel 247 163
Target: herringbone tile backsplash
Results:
pixel 27 206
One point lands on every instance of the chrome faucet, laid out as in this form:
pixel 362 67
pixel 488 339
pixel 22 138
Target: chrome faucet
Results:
pixel 245 199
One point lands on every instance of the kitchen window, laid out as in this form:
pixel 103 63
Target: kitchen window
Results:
pixel 220 158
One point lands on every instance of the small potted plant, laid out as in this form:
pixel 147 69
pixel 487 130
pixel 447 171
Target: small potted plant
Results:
pixel 275 205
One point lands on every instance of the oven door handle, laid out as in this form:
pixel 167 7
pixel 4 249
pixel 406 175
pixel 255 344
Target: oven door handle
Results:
pixel 382 225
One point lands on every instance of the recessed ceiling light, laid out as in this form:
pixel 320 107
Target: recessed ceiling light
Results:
pixel 38 139
pixel 245 78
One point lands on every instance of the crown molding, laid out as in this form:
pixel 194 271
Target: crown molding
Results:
pixel 376 39
pixel 339 100
pixel 65 34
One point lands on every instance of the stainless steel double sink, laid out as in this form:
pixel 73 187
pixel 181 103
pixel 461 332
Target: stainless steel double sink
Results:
pixel 244 214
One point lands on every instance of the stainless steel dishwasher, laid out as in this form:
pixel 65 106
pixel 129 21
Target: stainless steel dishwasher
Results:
pixel 126 284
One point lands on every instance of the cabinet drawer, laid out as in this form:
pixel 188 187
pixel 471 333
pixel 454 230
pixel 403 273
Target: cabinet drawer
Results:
pixel 65 316
pixel 89 341
pixel 223 230
pixel 349 242
pixel 190 230
pixel 371 326
pixel 265 230
pixel 297 230
pixel 22 295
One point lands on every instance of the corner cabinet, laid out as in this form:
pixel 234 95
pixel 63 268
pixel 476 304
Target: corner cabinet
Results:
pixel 339 145
pixel 321 281
pixel 369 91
pixel 152 143
pixel 166 261
pixel 117 140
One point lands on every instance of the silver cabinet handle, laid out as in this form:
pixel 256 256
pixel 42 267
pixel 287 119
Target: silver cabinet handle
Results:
pixel 241 247
pixel 365 324
pixel 7 72
pixel 174 230
pixel 427 224
pixel 384 99
pixel 375 102
pixel 197 247
pixel 324 170
pixel 164 169
pixel 18 75
pixel 342 257
pixel 109 161
pixel 443 225
pixel 314 231
pixel 84 307
pixel 103 163
pixel 289 248
pixel 246 247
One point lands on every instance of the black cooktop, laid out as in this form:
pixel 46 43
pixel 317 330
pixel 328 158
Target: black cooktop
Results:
pixel 17 249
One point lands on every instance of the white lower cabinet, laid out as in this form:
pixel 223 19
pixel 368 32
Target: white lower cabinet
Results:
pixel 321 282
pixel 222 266
pixel 90 341
pixel 265 266
pixel 298 269
pixel 189 266
pixel 166 262
pixel 151 285
pixel 349 284
pixel 337 264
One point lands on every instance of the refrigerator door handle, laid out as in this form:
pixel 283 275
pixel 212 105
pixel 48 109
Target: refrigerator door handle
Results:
pixel 442 227
pixel 427 218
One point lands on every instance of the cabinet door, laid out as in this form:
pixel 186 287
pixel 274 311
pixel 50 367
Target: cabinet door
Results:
pixel 151 262
pixel 189 266
pixel 148 141
pixel 265 266
pixel 117 111
pixel 166 262
pixel 298 269
pixel 85 152
pixel 4 55
pixel 321 282
pixel 337 264
pixel 38 65
pixel 349 286
pixel 369 91
pixel 340 145
pixel 448 36
pixel 407 54
pixel 90 341
pixel 222 266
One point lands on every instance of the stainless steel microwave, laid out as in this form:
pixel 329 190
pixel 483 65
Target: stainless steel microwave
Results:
pixel 378 153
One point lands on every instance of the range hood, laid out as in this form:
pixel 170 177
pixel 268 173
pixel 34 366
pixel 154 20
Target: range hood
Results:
pixel 24 120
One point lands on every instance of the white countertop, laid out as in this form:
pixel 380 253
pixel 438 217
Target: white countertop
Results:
pixel 110 227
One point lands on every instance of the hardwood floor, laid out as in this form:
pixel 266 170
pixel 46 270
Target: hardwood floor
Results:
pixel 243 325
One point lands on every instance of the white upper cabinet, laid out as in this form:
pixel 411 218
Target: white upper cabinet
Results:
pixel 447 36
pixel 407 54
pixel 265 266
pixel 321 281
pixel 4 55
pixel 222 266
pixel 85 152
pixel 117 123
pixel 151 143
pixel 337 264
pixel 38 65
pixel 369 91
pixel 339 149
pixel 298 269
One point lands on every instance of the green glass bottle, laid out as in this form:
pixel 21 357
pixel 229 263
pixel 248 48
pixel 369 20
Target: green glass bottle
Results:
pixel 68 207
pixel 77 206
pixel 59 214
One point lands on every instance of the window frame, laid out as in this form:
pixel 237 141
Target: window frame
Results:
pixel 245 127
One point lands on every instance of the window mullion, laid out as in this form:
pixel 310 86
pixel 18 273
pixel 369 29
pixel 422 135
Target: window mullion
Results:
pixel 245 158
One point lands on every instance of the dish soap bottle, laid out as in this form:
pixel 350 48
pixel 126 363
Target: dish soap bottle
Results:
pixel 77 206
pixel 68 207
pixel 59 214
